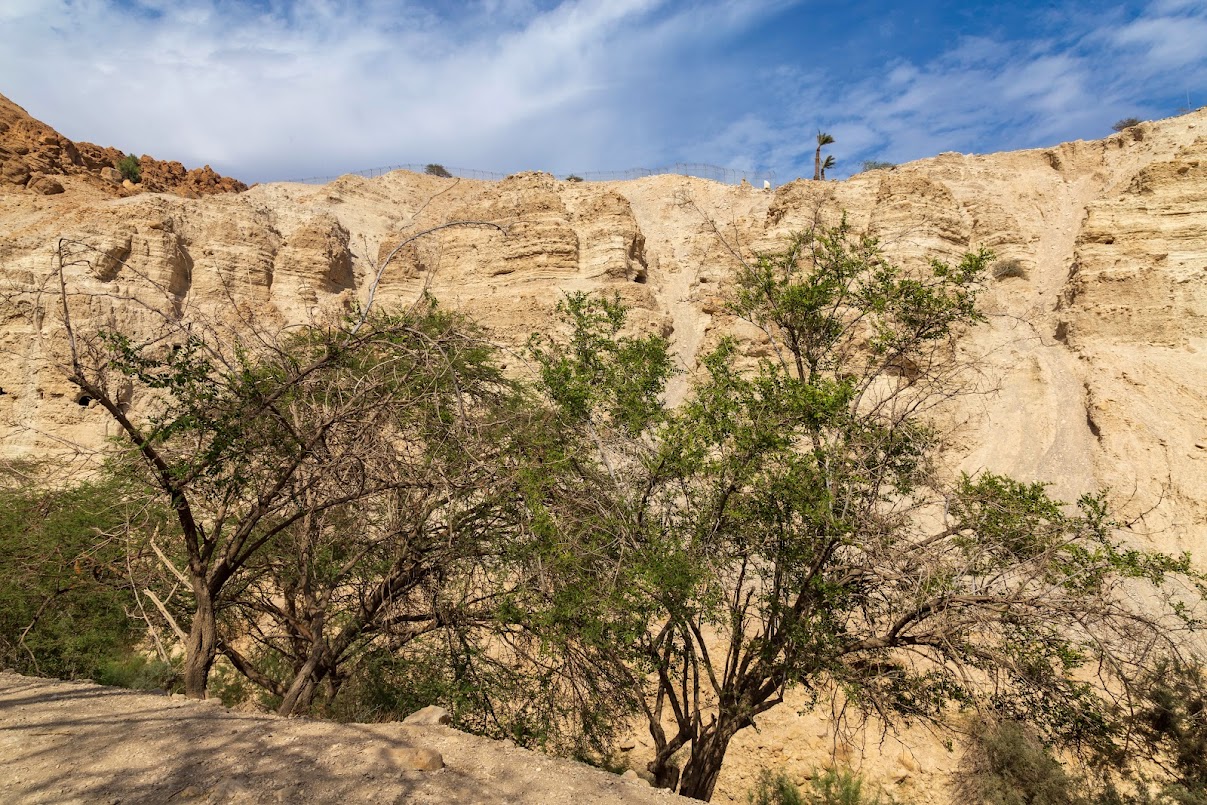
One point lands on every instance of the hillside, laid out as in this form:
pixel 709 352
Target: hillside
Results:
pixel 1093 356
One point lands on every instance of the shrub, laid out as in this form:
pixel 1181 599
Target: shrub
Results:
pixel 875 165
pixel 1006 764
pixel 1009 267
pixel 830 787
pixel 1126 123
pixel 574 178
pixel 64 591
pixel 774 789
pixel 840 787
pixel 129 168
pixel 435 169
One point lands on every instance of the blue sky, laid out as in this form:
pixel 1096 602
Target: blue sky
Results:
pixel 274 89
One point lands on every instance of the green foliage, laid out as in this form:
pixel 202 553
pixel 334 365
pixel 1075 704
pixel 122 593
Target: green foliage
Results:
pixel 875 165
pixel 129 168
pixel 574 178
pixel 1167 723
pixel 1126 123
pixel 774 789
pixel 1007 764
pixel 841 787
pixel 64 583
pixel 599 373
pixel 777 509
pixel 435 169
pixel 832 786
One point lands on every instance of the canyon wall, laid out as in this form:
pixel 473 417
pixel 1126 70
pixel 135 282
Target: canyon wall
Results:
pixel 1093 361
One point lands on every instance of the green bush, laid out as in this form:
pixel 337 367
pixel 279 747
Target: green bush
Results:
pixel 129 168
pixel 830 787
pixel 434 169
pixel 574 178
pixel 64 590
pixel 1006 764
pixel 774 789
pixel 875 165
pixel 1126 123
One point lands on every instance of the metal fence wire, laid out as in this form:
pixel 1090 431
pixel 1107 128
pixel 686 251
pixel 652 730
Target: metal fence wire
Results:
pixel 698 170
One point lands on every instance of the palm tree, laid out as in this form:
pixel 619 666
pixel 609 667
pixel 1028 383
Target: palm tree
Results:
pixel 822 140
pixel 826 164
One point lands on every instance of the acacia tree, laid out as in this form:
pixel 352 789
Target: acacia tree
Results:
pixel 372 486
pixel 267 443
pixel 787 526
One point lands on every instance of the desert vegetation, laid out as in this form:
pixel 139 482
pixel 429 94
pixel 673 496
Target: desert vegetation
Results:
pixel 367 513
pixel 129 168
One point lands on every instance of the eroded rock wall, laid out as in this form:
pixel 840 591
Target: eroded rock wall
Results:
pixel 1091 364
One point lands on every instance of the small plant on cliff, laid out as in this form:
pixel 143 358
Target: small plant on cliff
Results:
pixel 129 168
pixel 875 165
pixel 1009 267
pixel 574 178
pixel 1126 123
pixel 434 169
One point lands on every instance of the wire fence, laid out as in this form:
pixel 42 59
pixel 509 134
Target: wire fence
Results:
pixel 698 170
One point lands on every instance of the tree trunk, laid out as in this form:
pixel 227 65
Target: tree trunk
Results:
pixel 704 766
pixel 301 692
pixel 202 645
pixel 817 165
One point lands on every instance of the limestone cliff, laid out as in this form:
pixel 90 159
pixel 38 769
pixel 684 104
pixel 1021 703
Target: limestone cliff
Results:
pixel 1094 357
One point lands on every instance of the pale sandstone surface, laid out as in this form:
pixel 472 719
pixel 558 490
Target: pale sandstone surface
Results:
pixel 1092 365
pixel 70 742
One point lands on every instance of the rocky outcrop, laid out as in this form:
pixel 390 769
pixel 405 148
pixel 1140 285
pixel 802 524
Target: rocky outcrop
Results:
pixel 32 154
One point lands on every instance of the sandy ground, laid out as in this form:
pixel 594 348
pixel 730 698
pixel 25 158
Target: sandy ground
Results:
pixel 70 742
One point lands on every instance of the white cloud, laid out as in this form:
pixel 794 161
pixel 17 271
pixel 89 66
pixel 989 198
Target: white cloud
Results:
pixel 282 88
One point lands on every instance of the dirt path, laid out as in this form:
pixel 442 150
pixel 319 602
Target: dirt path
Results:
pixel 68 742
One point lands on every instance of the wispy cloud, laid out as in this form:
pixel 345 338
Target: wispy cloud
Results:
pixel 274 89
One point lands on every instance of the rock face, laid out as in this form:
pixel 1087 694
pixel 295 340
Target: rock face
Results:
pixel 31 153
pixel 1094 354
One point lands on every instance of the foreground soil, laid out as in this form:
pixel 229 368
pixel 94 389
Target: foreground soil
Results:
pixel 71 742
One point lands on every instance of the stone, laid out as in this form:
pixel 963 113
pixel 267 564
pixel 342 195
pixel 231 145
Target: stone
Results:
pixel 15 171
pixel 632 776
pixel 46 186
pixel 419 759
pixel 430 716
pixel 111 175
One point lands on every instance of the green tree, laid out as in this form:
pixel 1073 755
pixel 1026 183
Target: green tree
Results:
pixel 434 169
pixel 823 140
pixel 787 524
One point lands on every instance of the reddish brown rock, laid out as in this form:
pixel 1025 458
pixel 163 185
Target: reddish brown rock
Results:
pixel 30 148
